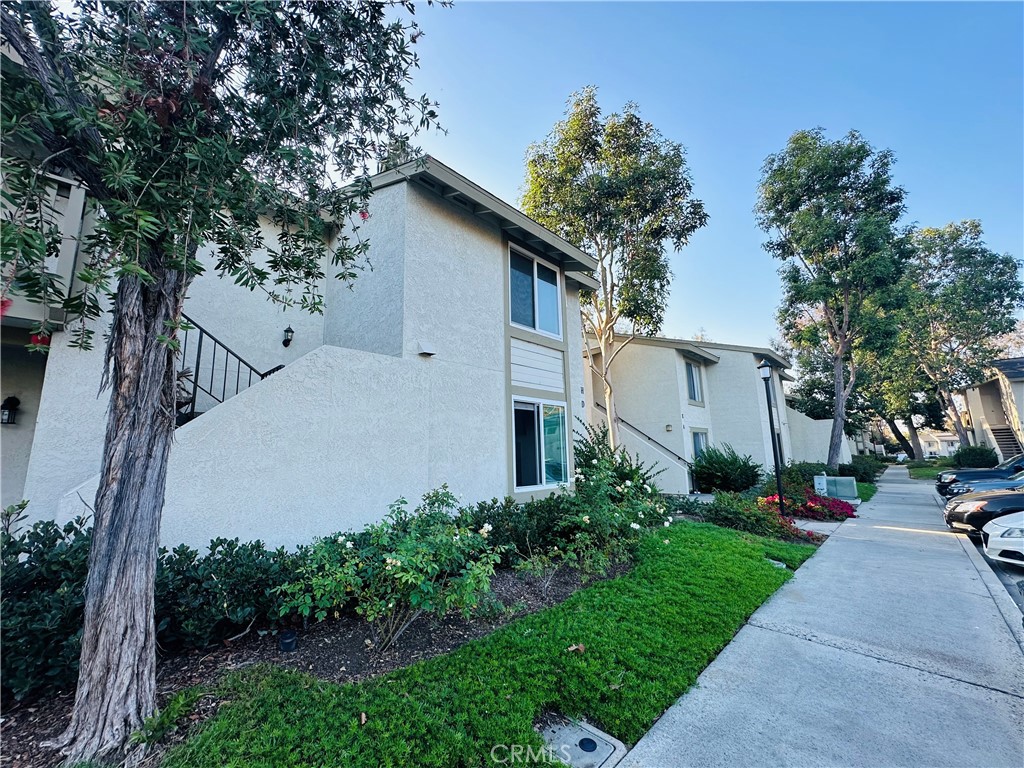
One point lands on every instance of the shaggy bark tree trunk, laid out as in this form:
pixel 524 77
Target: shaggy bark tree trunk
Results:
pixel 116 679
pixel 900 437
pixel 954 416
pixel 607 344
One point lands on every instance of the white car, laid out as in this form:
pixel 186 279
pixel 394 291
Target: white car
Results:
pixel 1004 538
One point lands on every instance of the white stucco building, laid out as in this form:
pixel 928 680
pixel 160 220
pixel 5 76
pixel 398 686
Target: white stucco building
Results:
pixel 457 359
pixel 995 408
pixel 674 397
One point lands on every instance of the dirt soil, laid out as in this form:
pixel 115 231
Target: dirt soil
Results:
pixel 336 650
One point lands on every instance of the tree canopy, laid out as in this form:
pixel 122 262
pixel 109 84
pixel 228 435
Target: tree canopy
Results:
pixel 616 188
pixel 831 210
pixel 188 124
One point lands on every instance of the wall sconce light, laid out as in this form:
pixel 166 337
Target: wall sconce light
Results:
pixel 668 427
pixel 289 334
pixel 9 410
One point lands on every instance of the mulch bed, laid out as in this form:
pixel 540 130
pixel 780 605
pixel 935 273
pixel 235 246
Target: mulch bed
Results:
pixel 339 651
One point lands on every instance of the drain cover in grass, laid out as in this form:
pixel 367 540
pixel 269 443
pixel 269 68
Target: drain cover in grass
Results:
pixel 582 745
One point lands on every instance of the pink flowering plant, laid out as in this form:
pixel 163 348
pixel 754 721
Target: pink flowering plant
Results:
pixel 811 507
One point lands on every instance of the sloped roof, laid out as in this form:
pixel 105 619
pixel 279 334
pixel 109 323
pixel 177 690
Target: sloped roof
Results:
pixel 432 174
pixel 1011 367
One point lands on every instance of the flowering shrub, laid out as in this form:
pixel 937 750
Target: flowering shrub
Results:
pixel 733 510
pixel 410 563
pixel 813 507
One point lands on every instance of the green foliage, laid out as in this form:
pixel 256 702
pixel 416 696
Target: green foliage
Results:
pixel 831 211
pixel 204 599
pixel 980 456
pixel 722 469
pixel 646 636
pixel 866 469
pixel 743 513
pixel 42 594
pixel 594 455
pixel 410 563
pixel 165 721
pixel 617 189
pixel 187 123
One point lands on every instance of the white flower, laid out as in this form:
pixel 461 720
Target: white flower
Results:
pixel 594 462
pixel 349 545
pixel 666 541
pixel 647 488
pixel 455 537
pixel 485 530
pixel 635 526
pixel 640 515
pixel 667 523
pixel 628 483
pixel 586 518
pixel 341 539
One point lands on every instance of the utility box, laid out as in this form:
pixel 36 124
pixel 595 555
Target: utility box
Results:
pixel 842 488
pixel 821 485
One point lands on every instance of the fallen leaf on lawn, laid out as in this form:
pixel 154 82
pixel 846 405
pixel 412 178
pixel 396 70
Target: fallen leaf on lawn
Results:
pixel 362 718
pixel 576 648
pixel 615 686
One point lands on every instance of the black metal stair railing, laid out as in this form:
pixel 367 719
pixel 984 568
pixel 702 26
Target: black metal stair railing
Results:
pixel 209 372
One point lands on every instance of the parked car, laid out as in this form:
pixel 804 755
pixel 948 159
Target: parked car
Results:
pixel 1004 538
pixel 947 477
pixel 1012 483
pixel 973 511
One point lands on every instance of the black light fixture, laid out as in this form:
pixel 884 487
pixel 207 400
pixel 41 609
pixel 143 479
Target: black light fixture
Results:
pixel 289 334
pixel 765 369
pixel 9 410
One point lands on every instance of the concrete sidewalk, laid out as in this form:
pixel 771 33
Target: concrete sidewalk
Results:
pixel 888 648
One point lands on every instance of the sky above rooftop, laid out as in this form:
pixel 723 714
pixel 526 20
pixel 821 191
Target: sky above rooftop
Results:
pixel 940 84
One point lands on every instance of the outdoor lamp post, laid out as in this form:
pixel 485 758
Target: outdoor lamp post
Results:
pixel 765 369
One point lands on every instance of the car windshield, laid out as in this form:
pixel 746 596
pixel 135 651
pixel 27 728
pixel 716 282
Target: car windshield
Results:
pixel 1011 461
pixel 1018 476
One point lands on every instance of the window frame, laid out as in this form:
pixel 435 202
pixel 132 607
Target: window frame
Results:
pixel 694 431
pixel 540 403
pixel 536 303
pixel 699 379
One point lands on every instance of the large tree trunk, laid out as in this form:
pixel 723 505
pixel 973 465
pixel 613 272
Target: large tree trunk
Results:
pixel 900 437
pixel 835 442
pixel 915 439
pixel 116 679
pixel 954 416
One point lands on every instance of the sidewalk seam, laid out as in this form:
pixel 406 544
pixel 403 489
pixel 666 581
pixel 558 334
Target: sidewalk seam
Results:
pixel 888 661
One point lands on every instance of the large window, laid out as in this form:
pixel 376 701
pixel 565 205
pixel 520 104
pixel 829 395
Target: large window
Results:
pixel 541 453
pixel 693 386
pixel 534 294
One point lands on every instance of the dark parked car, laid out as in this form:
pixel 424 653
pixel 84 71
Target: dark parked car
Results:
pixel 947 477
pixel 973 511
pixel 1011 483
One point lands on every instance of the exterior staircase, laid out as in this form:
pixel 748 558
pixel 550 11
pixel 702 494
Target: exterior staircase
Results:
pixel 209 373
pixel 1006 441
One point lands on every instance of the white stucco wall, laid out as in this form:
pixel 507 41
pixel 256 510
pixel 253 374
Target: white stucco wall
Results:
pixel 367 314
pixel 327 443
pixel 810 438
pixel 21 376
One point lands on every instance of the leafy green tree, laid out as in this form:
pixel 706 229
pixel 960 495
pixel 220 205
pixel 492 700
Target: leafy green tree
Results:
pixel 963 297
pixel 620 191
pixel 831 211
pixel 187 123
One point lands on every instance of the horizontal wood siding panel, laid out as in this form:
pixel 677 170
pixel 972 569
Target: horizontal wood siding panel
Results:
pixel 537 367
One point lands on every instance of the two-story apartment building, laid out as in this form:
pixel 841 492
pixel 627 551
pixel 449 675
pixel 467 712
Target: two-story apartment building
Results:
pixel 455 357
pixel 674 397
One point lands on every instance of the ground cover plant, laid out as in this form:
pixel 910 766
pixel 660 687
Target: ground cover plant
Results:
pixel 618 652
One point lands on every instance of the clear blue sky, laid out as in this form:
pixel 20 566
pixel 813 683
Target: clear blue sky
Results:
pixel 940 84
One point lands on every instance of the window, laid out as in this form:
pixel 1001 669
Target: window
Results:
pixel 541 454
pixel 693 388
pixel 534 295
pixel 700 443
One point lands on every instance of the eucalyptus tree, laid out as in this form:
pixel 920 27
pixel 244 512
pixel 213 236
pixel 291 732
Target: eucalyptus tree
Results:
pixel 831 210
pixel 963 297
pixel 187 124
pixel 615 187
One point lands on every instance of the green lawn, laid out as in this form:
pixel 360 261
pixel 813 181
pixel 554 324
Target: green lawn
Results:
pixel 923 473
pixel 866 490
pixel 647 635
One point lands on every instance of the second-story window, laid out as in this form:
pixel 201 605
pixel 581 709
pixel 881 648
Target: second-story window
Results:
pixel 534 294
pixel 693 387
